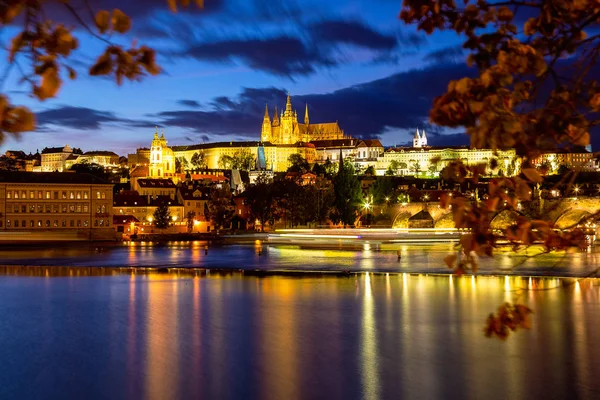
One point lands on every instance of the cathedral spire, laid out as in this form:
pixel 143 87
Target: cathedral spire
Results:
pixel 267 111
pixel 306 120
pixel 156 134
pixel 288 105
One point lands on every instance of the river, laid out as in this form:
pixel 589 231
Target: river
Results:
pixel 99 333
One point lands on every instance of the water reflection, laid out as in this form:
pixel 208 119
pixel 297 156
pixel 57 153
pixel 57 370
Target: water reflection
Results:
pixel 373 257
pixel 126 333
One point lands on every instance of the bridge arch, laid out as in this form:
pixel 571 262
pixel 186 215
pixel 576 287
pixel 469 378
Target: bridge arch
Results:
pixel 504 219
pixel 570 218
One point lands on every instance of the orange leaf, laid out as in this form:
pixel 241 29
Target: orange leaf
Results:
pixel 450 259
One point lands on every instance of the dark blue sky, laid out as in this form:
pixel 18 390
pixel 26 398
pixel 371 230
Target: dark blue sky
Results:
pixel 352 61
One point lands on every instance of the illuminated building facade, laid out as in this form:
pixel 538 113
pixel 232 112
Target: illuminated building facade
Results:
pixel 275 156
pixel 54 202
pixel 582 160
pixel 419 160
pixel 54 158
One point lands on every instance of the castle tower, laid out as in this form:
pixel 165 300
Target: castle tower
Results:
pixel 266 126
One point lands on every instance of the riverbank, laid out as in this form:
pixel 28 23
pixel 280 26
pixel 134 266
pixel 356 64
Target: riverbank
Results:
pixel 191 272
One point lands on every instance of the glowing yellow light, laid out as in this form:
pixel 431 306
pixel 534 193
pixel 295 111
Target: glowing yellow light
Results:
pixel 174 217
pixel 149 219
pixel 196 222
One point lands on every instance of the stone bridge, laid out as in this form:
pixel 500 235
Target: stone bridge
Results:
pixel 563 213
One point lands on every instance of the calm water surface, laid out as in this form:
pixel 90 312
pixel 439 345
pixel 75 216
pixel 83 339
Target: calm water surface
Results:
pixel 320 257
pixel 230 336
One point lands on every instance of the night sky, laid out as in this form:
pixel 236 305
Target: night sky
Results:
pixel 352 61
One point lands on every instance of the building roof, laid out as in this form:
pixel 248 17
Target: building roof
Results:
pixel 139 171
pixel 49 150
pixel 156 183
pixel 371 142
pixel 100 153
pixel 188 194
pixel 51 177
pixel 73 157
pixel 16 153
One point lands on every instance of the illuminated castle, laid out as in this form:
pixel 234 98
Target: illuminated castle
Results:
pixel 285 128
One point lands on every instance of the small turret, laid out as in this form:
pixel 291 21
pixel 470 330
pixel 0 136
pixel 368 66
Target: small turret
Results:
pixel 156 134
pixel 275 118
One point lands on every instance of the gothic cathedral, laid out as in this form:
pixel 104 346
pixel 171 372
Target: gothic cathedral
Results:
pixel 285 128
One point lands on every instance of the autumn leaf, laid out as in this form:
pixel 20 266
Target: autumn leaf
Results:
pixel 102 20
pixel 450 259
pixel 533 175
pixel 120 22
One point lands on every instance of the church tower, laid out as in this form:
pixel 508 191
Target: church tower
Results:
pixel 423 139
pixel 156 156
pixel 266 126
pixel 417 139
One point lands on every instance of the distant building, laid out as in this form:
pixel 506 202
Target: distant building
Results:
pixel 577 159
pixel 54 158
pixel 55 203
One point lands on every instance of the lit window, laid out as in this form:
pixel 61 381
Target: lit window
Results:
pixel 78 208
pixel 39 223
pixel 31 194
pixel 71 195
pixel 47 223
pixel 103 195
pixel 64 195
pixel 97 195
pixel 86 223
pixel 9 194
pixel 16 196
pixel 55 223
pixel 85 208
pixel 78 195
pixel 8 223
